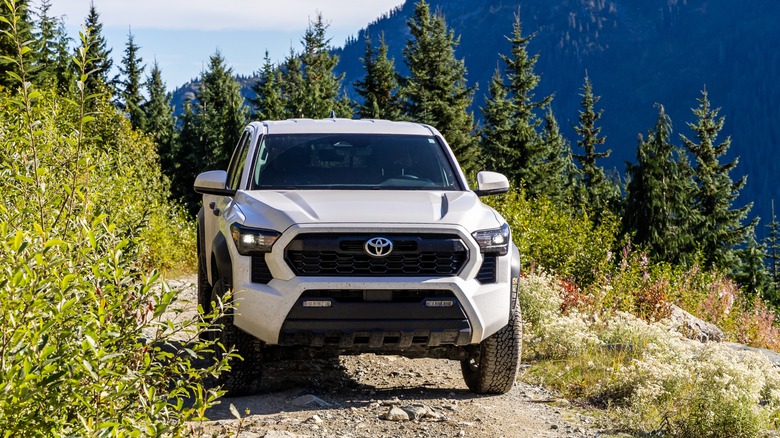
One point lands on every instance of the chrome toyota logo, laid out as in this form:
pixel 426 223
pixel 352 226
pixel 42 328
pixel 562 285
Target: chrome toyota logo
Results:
pixel 378 247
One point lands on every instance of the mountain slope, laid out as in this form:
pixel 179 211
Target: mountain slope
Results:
pixel 637 53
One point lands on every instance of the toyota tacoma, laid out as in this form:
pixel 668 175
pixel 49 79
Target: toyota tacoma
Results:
pixel 342 236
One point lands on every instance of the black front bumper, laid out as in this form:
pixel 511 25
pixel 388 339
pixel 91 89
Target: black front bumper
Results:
pixel 377 321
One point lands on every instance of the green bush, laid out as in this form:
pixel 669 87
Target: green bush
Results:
pixel 85 345
pixel 564 243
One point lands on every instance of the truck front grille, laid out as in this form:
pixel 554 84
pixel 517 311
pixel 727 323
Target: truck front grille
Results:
pixel 426 255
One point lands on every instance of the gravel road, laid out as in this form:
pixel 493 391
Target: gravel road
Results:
pixel 384 396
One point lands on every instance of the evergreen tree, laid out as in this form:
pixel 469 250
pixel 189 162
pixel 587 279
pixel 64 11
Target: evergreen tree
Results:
pixel 15 26
pixel 496 133
pixel 379 88
pixel 221 114
pixel 160 122
pixel 188 150
pixel 132 69
pixel 98 54
pixel 601 194
pixel 558 169
pixel 45 37
pixel 64 73
pixel 657 213
pixel 511 138
pixel 292 86
pixel 321 87
pixel 268 104
pixel 772 245
pixel 435 93
pixel 719 230
pixel 752 274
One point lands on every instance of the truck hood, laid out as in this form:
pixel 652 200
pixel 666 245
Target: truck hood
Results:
pixel 281 209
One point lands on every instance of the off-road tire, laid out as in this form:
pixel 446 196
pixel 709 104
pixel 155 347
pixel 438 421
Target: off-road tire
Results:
pixel 244 375
pixel 492 368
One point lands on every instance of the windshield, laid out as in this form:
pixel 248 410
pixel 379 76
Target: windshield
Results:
pixel 352 161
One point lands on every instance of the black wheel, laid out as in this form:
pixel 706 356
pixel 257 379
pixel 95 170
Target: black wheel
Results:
pixel 492 368
pixel 204 287
pixel 245 372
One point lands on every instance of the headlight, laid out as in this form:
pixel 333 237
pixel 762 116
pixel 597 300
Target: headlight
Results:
pixel 252 240
pixel 494 241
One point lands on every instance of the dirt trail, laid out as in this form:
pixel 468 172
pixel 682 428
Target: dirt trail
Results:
pixel 353 396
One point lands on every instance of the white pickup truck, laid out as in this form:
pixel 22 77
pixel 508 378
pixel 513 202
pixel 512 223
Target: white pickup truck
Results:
pixel 345 236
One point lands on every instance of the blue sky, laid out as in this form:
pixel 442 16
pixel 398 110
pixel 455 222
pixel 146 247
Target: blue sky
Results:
pixel 182 34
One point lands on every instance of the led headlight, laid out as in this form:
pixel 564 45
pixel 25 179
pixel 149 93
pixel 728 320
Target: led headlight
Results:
pixel 252 240
pixel 495 241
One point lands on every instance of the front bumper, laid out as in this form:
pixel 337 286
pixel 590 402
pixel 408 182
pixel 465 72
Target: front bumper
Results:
pixel 275 314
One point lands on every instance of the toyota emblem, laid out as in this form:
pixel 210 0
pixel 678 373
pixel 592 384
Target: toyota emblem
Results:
pixel 378 247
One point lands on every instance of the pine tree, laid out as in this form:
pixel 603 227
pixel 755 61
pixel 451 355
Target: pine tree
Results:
pixel 321 86
pixel 435 93
pixel 496 133
pixel 45 39
pixel 772 245
pixel 511 138
pixel 64 73
pixel 98 55
pixel 752 274
pixel 132 69
pixel 292 86
pixel 268 103
pixel 601 194
pixel 188 152
pixel 221 114
pixel 15 25
pixel 379 88
pixel 558 169
pixel 160 122
pixel 719 230
pixel 657 213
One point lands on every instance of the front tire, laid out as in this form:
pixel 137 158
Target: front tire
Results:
pixel 245 372
pixel 492 369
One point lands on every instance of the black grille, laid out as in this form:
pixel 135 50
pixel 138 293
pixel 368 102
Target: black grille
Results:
pixel 487 272
pixel 260 272
pixel 420 255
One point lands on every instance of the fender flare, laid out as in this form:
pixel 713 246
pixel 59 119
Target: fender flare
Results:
pixel 221 255
pixel 514 275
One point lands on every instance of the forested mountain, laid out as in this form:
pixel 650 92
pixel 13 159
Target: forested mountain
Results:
pixel 636 53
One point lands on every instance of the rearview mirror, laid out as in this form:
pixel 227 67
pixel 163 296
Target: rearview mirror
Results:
pixel 491 183
pixel 213 183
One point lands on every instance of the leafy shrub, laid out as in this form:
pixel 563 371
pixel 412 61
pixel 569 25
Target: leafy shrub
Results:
pixel 84 347
pixel 567 244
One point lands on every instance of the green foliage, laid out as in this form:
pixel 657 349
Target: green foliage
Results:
pixel 130 87
pixel 85 346
pixel 267 103
pixel 379 88
pixel 658 213
pixel 98 55
pixel 772 244
pixel 567 244
pixel 719 229
pixel 210 129
pixel 435 92
pixel 601 194
pixel 537 162
pixel 160 122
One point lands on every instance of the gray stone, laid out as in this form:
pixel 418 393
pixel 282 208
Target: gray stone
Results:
pixel 308 400
pixel 279 434
pixel 694 328
pixel 396 414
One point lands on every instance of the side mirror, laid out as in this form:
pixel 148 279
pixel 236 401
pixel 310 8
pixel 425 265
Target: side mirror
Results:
pixel 491 183
pixel 213 183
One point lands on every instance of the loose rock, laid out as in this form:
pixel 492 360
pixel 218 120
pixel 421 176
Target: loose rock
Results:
pixel 396 414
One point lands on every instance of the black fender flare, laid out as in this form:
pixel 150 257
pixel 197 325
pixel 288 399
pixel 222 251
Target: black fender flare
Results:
pixel 221 255
pixel 201 240
pixel 514 275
